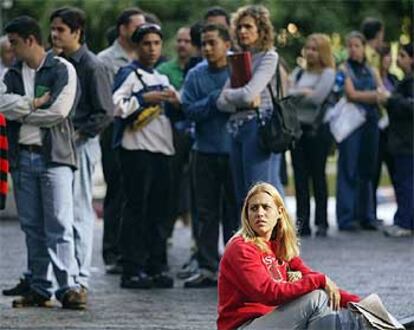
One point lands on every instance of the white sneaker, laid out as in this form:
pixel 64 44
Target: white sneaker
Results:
pixel 397 231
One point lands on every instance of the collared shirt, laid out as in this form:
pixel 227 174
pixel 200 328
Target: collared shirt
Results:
pixel 91 114
pixel 114 58
pixel 173 71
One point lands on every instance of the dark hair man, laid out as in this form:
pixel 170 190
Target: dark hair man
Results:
pixel 143 134
pixel 43 160
pixel 373 31
pixel 217 15
pixel 67 27
pixel 118 55
pixel 180 192
pixel 211 170
pixel 121 52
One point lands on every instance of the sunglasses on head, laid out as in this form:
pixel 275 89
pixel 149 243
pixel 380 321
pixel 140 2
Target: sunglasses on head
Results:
pixel 144 29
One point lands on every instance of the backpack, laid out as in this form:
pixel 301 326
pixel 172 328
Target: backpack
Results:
pixel 282 130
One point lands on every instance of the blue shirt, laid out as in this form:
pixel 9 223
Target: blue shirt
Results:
pixel 363 78
pixel 200 92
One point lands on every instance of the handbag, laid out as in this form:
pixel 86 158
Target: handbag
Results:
pixel 282 130
pixel 344 118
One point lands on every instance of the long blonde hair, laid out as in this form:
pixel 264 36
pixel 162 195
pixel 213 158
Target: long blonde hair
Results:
pixel 326 58
pixel 284 232
pixel 264 25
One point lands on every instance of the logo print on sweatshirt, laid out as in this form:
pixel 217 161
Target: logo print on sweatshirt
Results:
pixel 273 267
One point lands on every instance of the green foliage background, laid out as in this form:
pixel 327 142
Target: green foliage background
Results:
pixel 327 16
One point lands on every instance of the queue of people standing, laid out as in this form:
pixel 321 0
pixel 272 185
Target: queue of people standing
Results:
pixel 178 128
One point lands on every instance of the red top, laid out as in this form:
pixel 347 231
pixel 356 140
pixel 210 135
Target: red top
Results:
pixel 252 283
pixel 4 163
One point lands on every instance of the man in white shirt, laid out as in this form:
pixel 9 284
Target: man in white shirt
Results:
pixel 143 133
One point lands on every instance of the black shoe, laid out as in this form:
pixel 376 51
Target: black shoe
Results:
pixel 139 281
pixel 20 289
pixel 368 226
pixel 75 299
pixel 162 281
pixel 322 232
pixel 200 281
pixel 32 299
pixel 113 269
pixel 305 232
pixel 353 227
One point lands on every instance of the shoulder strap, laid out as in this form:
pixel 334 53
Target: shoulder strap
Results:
pixel 299 74
pixel 350 72
pixel 279 88
pixel 139 76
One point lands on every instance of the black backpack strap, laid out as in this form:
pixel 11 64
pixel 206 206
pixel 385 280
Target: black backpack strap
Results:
pixel 279 87
pixel 279 93
pixel 139 76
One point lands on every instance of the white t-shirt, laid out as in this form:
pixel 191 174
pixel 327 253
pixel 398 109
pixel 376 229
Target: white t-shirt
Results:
pixel 29 134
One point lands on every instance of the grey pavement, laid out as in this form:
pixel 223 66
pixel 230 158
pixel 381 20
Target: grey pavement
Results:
pixel 362 263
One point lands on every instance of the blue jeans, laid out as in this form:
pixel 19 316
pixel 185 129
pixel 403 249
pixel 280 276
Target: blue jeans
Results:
pixel 310 311
pixel 403 186
pixel 356 172
pixel 250 163
pixel 45 208
pixel 88 153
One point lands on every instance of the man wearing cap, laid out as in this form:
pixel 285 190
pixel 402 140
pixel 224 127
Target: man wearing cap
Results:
pixel 143 134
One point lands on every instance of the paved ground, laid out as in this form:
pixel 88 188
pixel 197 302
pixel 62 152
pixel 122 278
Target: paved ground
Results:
pixel 362 263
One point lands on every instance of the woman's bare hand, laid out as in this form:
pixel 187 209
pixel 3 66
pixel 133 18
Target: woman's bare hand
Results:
pixel 294 276
pixel 256 102
pixel 333 294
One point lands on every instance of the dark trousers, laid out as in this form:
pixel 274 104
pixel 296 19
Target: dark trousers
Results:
pixel 180 193
pixel 143 236
pixel 114 198
pixel 356 170
pixel 309 162
pixel 384 156
pixel 403 185
pixel 215 199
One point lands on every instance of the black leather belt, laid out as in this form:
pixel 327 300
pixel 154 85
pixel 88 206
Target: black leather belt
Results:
pixel 33 148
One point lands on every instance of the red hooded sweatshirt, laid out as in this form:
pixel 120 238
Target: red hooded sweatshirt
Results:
pixel 252 283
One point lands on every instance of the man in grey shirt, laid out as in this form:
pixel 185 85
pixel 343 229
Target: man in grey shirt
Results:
pixel 118 55
pixel 90 118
